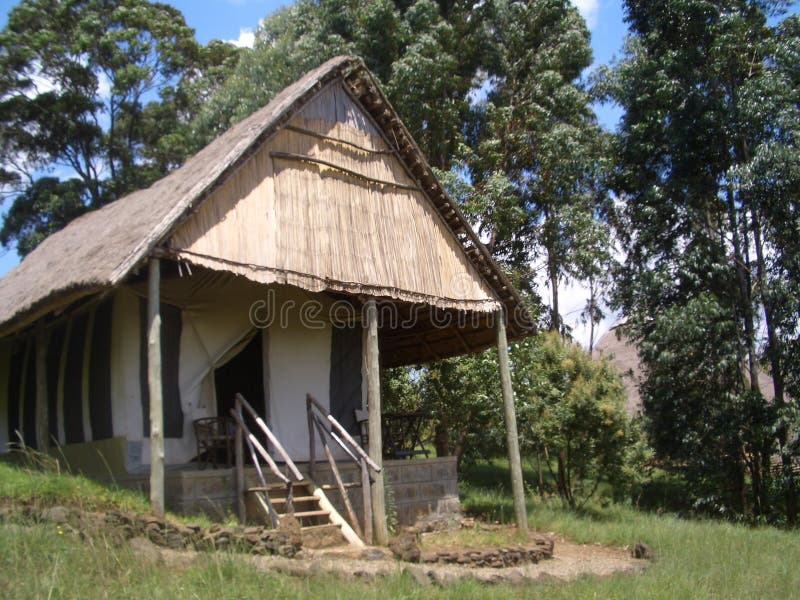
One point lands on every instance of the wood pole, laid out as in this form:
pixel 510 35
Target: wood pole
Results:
pixel 511 425
pixel 372 362
pixel 339 483
pixel 42 417
pixel 366 498
pixel 312 442
pixel 241 509
pixel 154 384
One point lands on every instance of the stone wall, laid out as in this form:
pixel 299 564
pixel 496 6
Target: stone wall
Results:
pixel 415 488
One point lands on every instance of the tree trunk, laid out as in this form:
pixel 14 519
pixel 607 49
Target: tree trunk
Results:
pixel 552 269
pixel 773 354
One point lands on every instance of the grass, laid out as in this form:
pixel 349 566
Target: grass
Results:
pixel 694 559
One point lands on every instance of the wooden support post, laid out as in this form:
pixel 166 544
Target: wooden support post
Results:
pixel 42 419
pixel 367 500
pixel 154 384
pixel 241 509
pixel 312 441
pixel 372 363
pixel 511 425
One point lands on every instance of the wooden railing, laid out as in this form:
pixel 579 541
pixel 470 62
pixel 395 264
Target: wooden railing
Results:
pixel 318 415
pixel 243 433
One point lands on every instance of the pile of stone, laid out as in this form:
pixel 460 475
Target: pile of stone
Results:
pixel 405 547
pixel 164 533
pixel 495 558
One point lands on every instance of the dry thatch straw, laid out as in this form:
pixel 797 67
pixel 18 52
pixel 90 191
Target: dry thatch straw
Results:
pixel 375 237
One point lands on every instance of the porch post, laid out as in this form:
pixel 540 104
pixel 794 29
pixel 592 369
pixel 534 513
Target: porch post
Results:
pixel 372 362
pixel 511 425
pixel 154 384
pixel 42 418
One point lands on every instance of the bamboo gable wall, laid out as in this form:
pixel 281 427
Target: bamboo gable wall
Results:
pixel 325 204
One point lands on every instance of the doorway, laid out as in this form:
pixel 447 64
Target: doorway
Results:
pixel 243 374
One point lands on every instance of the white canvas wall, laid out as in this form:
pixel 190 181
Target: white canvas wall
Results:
pixel 299 364
pixel 216 317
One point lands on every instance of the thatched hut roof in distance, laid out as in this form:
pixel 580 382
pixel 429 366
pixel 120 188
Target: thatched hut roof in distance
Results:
pixel 624 357
pixel 102 248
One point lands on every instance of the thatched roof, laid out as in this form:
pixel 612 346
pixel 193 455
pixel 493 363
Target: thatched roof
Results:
pixel 102 248
pixel 624 357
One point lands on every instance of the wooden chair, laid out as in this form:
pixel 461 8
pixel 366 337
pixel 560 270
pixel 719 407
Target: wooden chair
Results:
pixel 402 435
pixel 214 436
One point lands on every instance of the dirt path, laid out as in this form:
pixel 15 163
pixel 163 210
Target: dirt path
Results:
pixel 570 561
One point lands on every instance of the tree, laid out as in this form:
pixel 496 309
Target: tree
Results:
pixel 95 95
pixel 538 153
pixel 571 408
pixel 706 87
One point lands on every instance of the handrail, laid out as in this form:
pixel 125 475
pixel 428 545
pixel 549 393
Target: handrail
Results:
pixel 253 442
pixel 356 454
pixel 343 432
pixel 272 439
pixel 273 515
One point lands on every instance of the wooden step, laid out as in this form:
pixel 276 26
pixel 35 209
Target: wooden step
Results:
pixel 275 493
pixel 303 514
pixel 331 486
pixel 295 499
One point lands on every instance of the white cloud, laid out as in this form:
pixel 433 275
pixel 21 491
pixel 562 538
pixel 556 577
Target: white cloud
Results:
pixel 590 9
pixel 246 39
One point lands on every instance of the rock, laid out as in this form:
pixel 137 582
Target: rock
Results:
pixel 419 574
pixel 291 528
pixel 372 554
pixel 55 514
pixel 642 550
pixel 516 577
pixel 405 547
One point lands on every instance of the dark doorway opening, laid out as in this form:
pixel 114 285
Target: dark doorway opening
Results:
pixel 243 374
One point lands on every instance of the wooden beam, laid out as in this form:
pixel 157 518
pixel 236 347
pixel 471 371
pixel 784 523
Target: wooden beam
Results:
pixel 154 384
pixel 42 421
pixel 511 425
pixel 241 508
pixel 372 364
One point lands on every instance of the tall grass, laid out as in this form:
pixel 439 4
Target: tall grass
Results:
pixel 694 559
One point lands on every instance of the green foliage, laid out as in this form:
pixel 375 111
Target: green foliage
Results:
pixel 425 53
pixel 710 92
pixel 44 487
pixel 570 409
pixel 537 152
pixel 463 397
pixel 100 93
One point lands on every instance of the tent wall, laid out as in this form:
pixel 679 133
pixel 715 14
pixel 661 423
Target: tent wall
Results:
pixel 345 380
pixel 95 359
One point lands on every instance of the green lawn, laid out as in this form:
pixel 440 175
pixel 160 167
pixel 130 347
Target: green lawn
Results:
pixel 695 559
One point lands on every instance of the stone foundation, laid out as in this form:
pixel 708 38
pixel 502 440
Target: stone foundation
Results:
pixel 417 489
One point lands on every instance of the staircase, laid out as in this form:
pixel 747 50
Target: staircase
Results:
pixel 298 496
pixel 320 524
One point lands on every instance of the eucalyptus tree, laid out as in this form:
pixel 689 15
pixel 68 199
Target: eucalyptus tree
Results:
pixel 537 158
pixel 706 88
pixel 95 98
